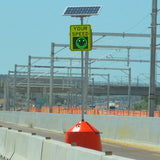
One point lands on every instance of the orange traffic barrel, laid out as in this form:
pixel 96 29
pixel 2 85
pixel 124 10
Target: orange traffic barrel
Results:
pixel 85 135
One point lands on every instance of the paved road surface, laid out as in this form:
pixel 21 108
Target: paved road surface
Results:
pixel 117 149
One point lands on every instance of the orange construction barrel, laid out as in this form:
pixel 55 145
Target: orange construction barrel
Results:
pixel 85 135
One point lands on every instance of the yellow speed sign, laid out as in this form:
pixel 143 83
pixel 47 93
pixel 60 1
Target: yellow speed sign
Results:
pixel 80 38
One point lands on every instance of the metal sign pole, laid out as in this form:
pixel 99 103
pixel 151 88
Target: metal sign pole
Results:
pixel 86 82
pixel 92 91
pixel 81 43
pixel 82 64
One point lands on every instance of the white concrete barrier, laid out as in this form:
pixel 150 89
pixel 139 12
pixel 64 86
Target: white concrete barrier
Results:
pixel 34 149
pixel 10 144
pixel 24 146
pixel 21 145
pixel 143 131
pixel 27 147
pixel 54 150
pixel 113 157
pixel 52 122
pixel 80 153
pixel 3 134
pixel 8 116
pixel 132 130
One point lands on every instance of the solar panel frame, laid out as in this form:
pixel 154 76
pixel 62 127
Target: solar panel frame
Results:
pixel 82 11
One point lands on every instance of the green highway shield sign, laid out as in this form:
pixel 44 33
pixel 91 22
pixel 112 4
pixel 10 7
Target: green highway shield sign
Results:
pixel 80 38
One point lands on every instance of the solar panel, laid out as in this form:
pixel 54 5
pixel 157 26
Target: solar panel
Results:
pixel 82 11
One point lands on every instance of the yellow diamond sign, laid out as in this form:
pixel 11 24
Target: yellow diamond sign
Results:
pixel 80 38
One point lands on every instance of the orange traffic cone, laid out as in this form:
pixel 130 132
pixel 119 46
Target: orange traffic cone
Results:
pixel 84 135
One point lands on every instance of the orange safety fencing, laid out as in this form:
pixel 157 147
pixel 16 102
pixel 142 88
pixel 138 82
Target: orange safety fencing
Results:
pixel 157 114
pixel 96 111
pixel 33 109
pixel 45 109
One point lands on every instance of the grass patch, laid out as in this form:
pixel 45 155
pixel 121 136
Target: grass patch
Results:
pixel 31 125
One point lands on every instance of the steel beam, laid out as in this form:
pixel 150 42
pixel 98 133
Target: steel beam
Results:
pixel 111 47
pixel 123 35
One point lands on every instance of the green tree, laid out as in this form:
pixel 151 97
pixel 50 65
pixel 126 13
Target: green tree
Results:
pixel 144 104
pixel 141 106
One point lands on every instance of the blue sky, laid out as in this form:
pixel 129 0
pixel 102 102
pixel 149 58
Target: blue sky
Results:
pixel 29 27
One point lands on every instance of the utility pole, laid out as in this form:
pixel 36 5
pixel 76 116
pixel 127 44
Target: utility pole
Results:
pixel 28 83
pixel 8 91
pixel 14 88
pixel 108 91
pixel 51 79
pixel 151 98
pixel 129 89
pixel 5 96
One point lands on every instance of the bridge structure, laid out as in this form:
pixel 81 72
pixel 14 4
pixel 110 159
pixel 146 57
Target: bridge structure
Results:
pixel 63 85
pixel 70 88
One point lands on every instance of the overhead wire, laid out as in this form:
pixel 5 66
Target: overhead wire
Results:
pixel 139 22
